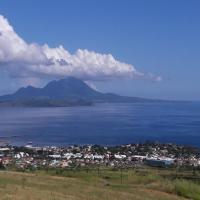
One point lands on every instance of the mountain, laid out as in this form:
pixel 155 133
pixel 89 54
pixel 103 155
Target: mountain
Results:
pixel 65 92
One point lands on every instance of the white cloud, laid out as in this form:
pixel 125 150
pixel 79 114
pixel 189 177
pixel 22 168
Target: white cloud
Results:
pixel 92 85
pixel 21 59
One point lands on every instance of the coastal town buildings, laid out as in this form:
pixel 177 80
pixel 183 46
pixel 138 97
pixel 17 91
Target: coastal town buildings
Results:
pixel 130 155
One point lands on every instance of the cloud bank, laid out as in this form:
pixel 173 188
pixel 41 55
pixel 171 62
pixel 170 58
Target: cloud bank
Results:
pixel 33 61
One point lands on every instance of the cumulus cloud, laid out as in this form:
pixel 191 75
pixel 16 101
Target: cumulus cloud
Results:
pixel 33 61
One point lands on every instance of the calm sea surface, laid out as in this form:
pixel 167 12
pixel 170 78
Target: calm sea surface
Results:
pixel 107 124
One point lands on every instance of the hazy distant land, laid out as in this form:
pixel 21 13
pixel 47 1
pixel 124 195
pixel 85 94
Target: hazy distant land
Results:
pixel 63 93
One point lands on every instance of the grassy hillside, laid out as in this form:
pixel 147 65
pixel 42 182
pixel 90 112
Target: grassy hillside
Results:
pixel 94 185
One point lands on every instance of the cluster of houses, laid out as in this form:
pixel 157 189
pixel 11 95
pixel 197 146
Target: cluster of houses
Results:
pixel 130 155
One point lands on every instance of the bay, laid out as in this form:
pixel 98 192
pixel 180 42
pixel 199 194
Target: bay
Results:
pixel 105 124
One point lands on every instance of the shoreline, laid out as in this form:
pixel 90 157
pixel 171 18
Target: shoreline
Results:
pixel 8 142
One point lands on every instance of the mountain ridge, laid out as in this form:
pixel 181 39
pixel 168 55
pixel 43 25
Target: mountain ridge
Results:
pixel 64 92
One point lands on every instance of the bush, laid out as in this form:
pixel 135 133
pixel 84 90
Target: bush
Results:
pixel 187 189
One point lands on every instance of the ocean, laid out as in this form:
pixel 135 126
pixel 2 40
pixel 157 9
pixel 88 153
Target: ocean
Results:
pixel 105 124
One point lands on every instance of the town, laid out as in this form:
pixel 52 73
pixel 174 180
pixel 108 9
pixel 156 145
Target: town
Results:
pixel 152 154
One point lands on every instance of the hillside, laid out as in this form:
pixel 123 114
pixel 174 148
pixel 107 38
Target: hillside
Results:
pixel 77 185
pixel 65 92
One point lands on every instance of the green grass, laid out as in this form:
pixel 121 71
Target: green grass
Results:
pixel 145 184
pixel 187 189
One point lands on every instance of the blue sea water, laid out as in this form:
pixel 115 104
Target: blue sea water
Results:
pixel 106 124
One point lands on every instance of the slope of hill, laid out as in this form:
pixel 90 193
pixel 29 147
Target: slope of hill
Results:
pixel 65 92
pixel 77 185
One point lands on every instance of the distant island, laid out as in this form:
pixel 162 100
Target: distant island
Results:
pixel 62 93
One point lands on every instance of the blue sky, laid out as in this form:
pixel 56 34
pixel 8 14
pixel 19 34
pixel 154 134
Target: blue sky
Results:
pixel 158 37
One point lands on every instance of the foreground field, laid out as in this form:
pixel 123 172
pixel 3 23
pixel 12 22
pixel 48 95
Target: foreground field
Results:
pixel 93 185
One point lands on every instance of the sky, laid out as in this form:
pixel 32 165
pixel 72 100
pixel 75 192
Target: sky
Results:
pixel 130 47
